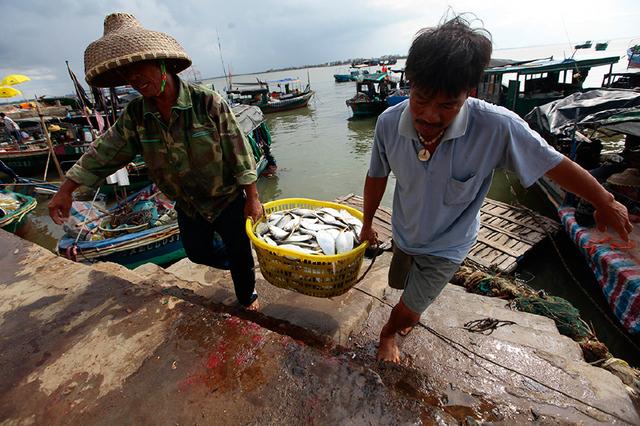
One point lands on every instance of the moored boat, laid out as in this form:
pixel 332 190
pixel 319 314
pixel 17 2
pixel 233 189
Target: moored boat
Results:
pixel 537 82
pixel 354 75
pixel 142 229
pixel 577 126
pixel 283 95
pixel 371 95
pixel 14 209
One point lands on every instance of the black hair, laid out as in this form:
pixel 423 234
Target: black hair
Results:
pixel 449 58
pixel 1 114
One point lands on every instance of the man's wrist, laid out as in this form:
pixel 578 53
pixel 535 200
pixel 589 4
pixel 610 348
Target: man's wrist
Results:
pixel 604 199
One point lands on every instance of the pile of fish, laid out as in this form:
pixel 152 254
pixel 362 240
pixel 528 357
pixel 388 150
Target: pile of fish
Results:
pixel 325 231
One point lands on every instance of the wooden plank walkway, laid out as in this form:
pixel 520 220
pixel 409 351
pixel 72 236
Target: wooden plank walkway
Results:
pixel 506 232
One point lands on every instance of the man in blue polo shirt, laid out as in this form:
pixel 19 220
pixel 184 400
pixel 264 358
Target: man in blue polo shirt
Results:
pixel 443 148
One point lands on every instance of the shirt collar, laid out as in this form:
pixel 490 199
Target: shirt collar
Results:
pixel 182 102
pixel 456 129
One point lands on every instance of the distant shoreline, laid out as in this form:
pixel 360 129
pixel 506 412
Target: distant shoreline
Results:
pixel 328 64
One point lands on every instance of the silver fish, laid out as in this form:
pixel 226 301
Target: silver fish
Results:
pixel 269 241
pixel 277 233
pixel 297 238
pixel 326 242
pixel 344 242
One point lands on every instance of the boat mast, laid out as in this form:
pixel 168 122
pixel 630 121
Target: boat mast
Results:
pixel 224 68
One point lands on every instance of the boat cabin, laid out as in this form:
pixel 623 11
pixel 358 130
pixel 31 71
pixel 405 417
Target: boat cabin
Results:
pixel 622 80
pixel 523 86
pixel 256 95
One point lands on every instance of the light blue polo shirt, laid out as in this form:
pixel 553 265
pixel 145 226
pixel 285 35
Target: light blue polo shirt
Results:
pixel 436 204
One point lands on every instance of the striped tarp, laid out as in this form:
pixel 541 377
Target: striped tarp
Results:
pixel 616 265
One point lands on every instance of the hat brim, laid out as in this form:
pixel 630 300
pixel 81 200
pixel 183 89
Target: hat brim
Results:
pixel 107 75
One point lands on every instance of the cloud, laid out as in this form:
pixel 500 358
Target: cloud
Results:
pixel 256 36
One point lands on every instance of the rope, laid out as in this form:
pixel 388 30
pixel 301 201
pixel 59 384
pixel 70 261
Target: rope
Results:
pixel 373 260
pixel 486 324
pixel 466 352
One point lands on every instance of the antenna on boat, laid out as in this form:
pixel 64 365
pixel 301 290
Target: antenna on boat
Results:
pixel 224 70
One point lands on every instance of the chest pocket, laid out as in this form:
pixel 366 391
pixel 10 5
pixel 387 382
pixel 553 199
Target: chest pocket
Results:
pixel 204 145
pixel 462 192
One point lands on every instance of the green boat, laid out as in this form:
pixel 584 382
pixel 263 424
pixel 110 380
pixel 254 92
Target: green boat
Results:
pixel 14 209
pixel 526 85
pixel 371 95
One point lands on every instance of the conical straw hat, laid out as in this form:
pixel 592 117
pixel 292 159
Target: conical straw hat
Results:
pixel 124 42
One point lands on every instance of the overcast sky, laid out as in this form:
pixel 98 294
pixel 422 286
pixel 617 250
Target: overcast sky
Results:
pixel 38 36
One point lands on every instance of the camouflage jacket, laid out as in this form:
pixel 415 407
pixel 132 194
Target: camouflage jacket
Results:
pixel 199 159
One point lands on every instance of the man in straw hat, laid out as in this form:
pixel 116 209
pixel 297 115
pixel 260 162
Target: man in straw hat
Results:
pixel 443 147
pixel 193 147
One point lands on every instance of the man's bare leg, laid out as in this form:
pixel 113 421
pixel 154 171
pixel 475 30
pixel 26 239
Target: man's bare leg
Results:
pixel 401 317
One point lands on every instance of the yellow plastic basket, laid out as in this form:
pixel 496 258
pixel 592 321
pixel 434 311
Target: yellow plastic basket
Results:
pixel 313 275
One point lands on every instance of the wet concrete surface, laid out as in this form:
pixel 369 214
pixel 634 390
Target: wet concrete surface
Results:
pixel 464 384
pixel 103 345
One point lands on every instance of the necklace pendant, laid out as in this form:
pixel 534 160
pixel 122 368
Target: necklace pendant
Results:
pixel 424 154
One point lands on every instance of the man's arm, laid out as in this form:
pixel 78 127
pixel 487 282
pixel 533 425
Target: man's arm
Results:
pixel 608 212
pixel 374 188
pixel 238 155
pixel 252 206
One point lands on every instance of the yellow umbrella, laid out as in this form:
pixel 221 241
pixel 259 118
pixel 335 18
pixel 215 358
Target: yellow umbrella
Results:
pixel 9 92
pixel 12 79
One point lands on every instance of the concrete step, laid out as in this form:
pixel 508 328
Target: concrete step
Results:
pixel 472 369
pixel 440 316
pixel 492 307
pixel 334 318
pixel 456 298
pixel 454 307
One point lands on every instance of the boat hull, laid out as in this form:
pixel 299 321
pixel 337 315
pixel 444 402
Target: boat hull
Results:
pixel 33 161
pixel 14 220
pixel 288 104
pixel 367 109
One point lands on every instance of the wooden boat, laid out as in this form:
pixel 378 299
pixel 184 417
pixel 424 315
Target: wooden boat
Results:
pixel 286 95
pixel 354 75
pixel 156 240
pixel 586 45
pixel 401 93
pixel 371 95
pixel 615 263
pixel 542 81
pixel 14 209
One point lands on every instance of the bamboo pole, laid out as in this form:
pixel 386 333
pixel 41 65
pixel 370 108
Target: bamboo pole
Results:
pixel 48 138
pixel 46 167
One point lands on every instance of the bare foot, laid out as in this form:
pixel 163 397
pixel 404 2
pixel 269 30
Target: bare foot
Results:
pixel 252 307
pixel 405 331
pixel 388 349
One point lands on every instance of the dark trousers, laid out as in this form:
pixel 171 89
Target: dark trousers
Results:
pixel 197 236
